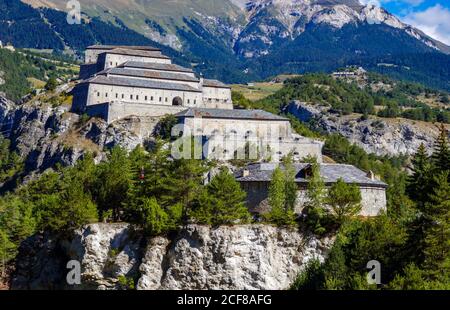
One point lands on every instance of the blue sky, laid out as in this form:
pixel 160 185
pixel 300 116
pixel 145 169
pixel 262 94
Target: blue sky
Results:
pixel 430 16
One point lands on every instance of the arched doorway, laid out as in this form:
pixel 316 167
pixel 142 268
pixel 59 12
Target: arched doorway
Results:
pixel 177 101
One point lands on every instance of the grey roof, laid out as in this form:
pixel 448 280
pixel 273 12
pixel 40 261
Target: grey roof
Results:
pixel 214 83
pixel 156 66
pixel 149 74
pixel 329 172
pixel 138 53
pixel 230 114
pixel 140 83
pixel 131 47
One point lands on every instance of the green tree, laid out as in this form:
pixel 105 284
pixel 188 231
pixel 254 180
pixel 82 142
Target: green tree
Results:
pixel 113 182
pixel 437 234
pixel 223 202
pixel 441 154
pixel 316 214
pixel 419 181
pixel 344 200
pixel 291 189
pixel 51 84
pixel 184 184
pixel 278 213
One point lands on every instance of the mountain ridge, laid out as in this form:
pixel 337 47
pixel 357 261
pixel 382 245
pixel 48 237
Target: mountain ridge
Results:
pixel 242 41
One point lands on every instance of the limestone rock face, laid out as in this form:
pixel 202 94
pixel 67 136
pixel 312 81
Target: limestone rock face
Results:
pixel 198 257
pixel 378 136
pixel 242 257
pixel 44 135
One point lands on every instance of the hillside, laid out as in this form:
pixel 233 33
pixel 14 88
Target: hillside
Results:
pixel 241 41
pixel 20 72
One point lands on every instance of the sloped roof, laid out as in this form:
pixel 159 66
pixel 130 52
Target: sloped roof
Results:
pixel 131 47
pixel 156 66
pixel 140 83
pixel 230 114
pixel 149 74
pixel 214 83
pixel 138 53
pixel 329 172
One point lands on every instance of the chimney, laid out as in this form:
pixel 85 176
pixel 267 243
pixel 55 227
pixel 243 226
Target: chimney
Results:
pixel 371 175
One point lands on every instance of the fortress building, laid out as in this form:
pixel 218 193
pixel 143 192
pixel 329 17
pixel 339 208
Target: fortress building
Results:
pixel 118 82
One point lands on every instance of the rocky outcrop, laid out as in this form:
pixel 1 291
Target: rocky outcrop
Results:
pixel 197 257
pixel 380 136
pixel 45 135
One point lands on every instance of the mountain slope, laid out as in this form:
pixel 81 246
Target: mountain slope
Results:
pixel 245 40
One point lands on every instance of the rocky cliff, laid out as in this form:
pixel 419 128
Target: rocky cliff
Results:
pixel 380 136
pixel 45 135
pixel 197 257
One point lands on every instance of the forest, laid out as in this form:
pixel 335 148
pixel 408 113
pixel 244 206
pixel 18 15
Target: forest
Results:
pixel 158 195
pixel 344 97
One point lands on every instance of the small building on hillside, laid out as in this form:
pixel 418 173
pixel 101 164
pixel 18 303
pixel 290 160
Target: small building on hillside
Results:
pixel 255 180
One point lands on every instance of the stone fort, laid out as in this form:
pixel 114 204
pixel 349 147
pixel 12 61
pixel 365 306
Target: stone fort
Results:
pixel 123 81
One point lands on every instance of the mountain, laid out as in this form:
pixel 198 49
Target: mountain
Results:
pixel 244 40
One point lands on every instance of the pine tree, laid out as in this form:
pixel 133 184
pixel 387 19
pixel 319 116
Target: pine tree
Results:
pixel 344 200
pixel 184 184
pixel 223 202
pixel 441 154
pixel 316 192
pixel 419 181
pixel 281 200
pixel 277 197
pixel 314 207
pixel 291 188
pixel 113 182
pixel 437 232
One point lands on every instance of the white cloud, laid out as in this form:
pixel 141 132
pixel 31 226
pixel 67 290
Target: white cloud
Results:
pixel 381 2
pixel 434 21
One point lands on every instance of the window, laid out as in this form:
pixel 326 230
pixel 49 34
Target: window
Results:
pixel 131 97
pixel 167 99
pixel 137 97
pixel 123 96
pixel 195 101
pixel 151 98
pixel 160 99
pixel 98 94
pixel 146 98
pixel 117 95
pixel 111 63
pixel 106 95
pixel 189 101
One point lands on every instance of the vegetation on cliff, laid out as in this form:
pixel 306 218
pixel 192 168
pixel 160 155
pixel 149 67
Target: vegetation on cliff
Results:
pixel 411 241
pixel 391 99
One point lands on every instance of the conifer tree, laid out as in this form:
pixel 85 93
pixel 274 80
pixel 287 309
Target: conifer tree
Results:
pixel 437 232
pixel 316 192
pixel 419 181
pixel 281 209
pixel 184 184
pixel 114 181
pixel 277 196
pixel 441 154
pixel 344 200
pixel 291 189
pixel 223 202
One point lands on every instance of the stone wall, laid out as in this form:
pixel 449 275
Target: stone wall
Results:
pixel 373 199
pixel 218 98
pixel 107 60
pixel 88 70
pixel 226 148
pixel 265 129
pixel 113 111
pixel 99 93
